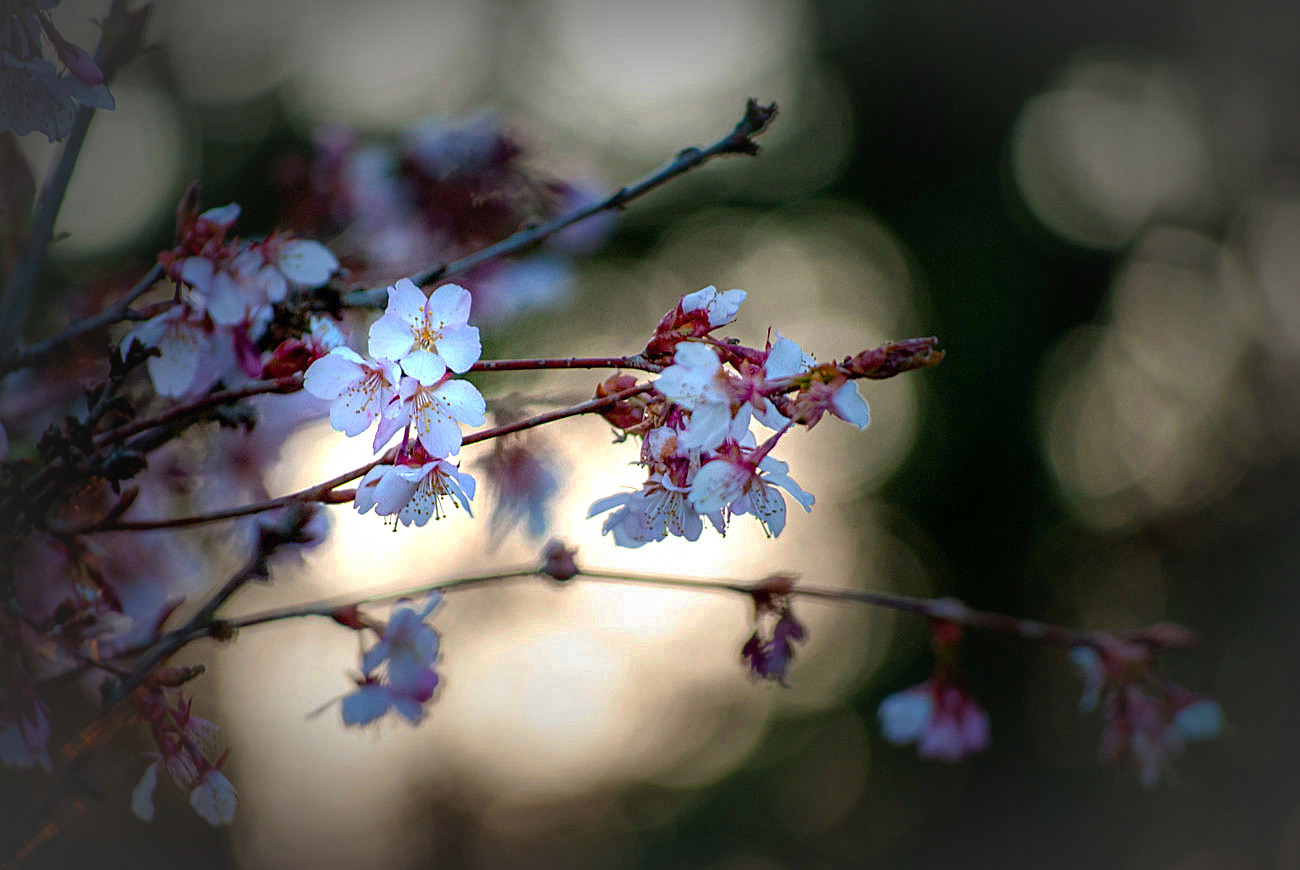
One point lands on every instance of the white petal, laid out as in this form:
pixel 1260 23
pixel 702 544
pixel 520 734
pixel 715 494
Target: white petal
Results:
pixel 784 360
pixel 463 401
pixel 609 502
pixel 174 371
pixel 226 300
pixel 717 485
pixel 1200 720
pixel 365 705
pixel 393 492
pixel 406 302
pixel 306 263
pixel 769 507
pixel 365 497
pixel 849 406
pixel 272 283
pixel 332 374
pixel 460 347
pixel 198 272
pixel 710 423
pixel 423 365
pixel 390 336
pixel 223 216
pixel 214 799
pixel 449 305
pixel 142 796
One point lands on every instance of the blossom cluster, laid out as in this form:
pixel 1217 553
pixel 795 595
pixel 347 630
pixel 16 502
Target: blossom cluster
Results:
pixel 34 96
pixel 702 459
pixel 181 739
pixel 407 384
pixel 226 290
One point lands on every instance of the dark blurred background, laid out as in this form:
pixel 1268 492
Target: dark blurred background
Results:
pixel 1094 206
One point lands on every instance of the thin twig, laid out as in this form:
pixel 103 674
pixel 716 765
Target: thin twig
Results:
pixel 115 313
pixel 738 141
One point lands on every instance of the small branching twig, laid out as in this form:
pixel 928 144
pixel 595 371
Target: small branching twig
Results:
pixel 739 141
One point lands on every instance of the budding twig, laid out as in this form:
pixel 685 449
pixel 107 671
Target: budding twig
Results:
pixel 738 141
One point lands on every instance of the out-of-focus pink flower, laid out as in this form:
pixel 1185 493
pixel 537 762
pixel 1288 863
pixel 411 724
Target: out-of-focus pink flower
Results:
pixel 407 651
pixel 938 716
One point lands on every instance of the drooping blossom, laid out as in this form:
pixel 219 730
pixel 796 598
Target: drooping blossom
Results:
pixel 427 336
pixel 181 738
pixel 416 490
pixel 33 96
pixel 939 716
pixel 697 381
pixel 407 652
pixel 1147 718
pixel 24 724
pixel 659 509
pixel 523 479
pixel 736 484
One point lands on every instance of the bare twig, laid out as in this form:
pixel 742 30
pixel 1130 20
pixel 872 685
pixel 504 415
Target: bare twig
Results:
pixel 738 141
pixel 115 313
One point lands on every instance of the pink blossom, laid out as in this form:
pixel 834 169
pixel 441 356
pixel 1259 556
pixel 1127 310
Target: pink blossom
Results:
pixel 938 716
pixel 427 336
pixel 24 725
pixel 697 381
pixel 407 650
pixel 187 358
pixel 659 509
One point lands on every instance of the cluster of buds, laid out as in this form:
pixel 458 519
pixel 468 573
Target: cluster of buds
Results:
pixel 702 459
pixel 406 384
pixel 1146 716
pixel 226 290
pixel 36 97
pixel 182 740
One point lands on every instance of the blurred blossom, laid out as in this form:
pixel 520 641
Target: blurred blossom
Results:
pixel 33 96
pixel 448 187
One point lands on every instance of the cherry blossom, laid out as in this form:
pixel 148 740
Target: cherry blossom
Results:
pixel 938 716
pixel 427 336
pixel 698 382
pixel 359 389
pixel 735 483
pixel 24 725
pixel 659 509
pixel 414 492
pixel 187 349
pixel 435 412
